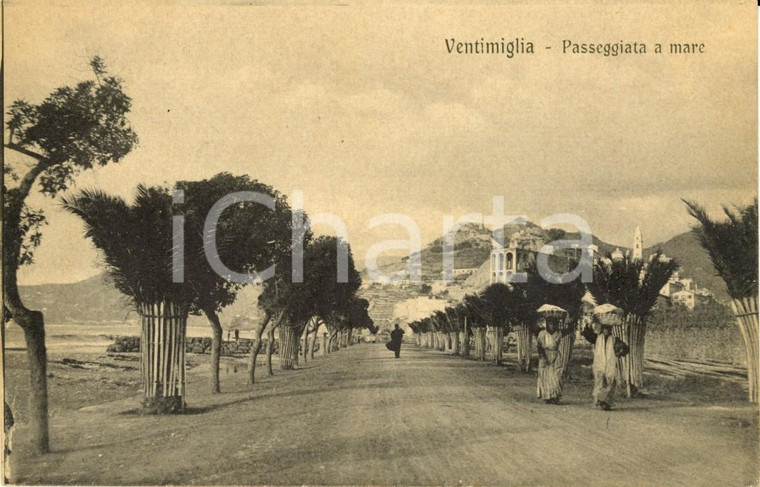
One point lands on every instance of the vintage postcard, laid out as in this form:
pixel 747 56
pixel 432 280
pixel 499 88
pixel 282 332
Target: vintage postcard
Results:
pixel 360 243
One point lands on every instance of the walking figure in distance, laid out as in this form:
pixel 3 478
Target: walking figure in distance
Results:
pixel 395 344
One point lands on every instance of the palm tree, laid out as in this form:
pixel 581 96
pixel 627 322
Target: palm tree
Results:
pixel 633 286
pixel 732 246
pixel 136 242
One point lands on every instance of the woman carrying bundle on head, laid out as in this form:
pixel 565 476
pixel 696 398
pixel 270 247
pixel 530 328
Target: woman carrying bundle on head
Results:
pixel 549 386
pixel 607 350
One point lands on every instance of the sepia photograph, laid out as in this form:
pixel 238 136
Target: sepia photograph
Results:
pixel 425 244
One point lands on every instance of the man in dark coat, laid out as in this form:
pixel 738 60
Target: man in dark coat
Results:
pixel 396 336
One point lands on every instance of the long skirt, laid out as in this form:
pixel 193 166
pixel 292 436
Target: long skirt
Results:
pixel 604 388
pixel 549 380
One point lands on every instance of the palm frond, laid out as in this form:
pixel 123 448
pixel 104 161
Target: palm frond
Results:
pixel 731 245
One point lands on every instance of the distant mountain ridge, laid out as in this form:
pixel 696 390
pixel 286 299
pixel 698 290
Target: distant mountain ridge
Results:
pixel 91 300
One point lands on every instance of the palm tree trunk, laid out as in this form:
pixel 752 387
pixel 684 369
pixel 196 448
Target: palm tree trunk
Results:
pixel 498 344
pixel 256 347
pixel 270 348
pixel 480 343
pixel 306 334
pixel 303 343
pixel 297 347
pixel 491 336
pixel 637 332
pixel 565 350
pixel 313 347
pixel 624 363
pixel 746 313
pixel 524 347
pixel 454 337
pixel 288 343
pixel 162 354
pixel 465 340
pixel 216 348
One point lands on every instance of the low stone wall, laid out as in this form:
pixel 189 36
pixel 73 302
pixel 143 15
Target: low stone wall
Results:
pixel 192 345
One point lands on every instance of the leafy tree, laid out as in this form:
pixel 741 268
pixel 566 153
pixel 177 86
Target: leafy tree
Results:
pixel 455 326
pixel 732 247
pixel 331 297
pixel 290 305
pixel 74 129
pixel 358 316
pixel 249 238
pixel 502 306
pixel 320 295
pixel 477 320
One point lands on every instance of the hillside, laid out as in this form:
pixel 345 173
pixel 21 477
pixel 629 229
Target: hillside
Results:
pixel 472 246
pixel 694 261
pixel 92 300
pixel 382 299
pixel 95 301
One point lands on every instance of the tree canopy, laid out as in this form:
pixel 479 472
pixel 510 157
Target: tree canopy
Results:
pixel 631 284
pixel 249 237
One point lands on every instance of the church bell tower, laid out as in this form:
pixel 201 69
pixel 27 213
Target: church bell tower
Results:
pixel 638 245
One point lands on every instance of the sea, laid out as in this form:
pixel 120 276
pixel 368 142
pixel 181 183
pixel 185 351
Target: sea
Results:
pixel 72 338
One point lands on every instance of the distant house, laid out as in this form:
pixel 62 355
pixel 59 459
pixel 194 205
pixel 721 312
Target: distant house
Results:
pixel 684 291
pixel 688 283
pixel 463 271
pixel 672 287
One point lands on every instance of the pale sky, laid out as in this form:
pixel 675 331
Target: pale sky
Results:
pixel 364 110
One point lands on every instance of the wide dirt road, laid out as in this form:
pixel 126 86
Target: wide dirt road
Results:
pixel 361 417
